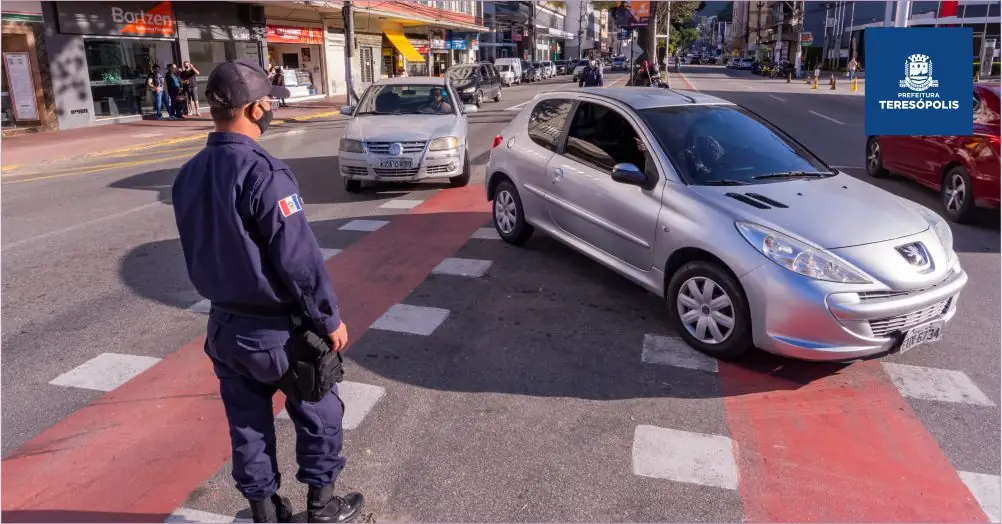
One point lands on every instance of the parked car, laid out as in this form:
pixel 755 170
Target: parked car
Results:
pixel 561 67
pixel 515 65
pixel 507 72
pixel 549 67
pixel 745 64
pixel 619 63
pixel 399 132
pixel 531 73
pixel 731 62
pixel 751 239
pixel 581 64
pixel 964 169
pixel 475 82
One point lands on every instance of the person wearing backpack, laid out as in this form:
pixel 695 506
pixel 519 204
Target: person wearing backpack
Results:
pixel 592 75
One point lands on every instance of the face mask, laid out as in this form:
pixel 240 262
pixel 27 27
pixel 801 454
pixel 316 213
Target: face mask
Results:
pixel 265 120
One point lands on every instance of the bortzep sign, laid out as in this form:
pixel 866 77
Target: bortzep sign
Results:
pixel 117 18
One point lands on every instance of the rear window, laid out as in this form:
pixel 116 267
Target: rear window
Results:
pixel 460 73
pixel 711 144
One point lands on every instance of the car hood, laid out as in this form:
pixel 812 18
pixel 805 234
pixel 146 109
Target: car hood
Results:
pixel 400 128
pixel 831 213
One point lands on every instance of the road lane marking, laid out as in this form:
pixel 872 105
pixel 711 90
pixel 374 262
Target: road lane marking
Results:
pixel 105 372
pixel 486 233
pixel 518 106
pixel 415 320
pixel 778 98
pixel 815 113
pixel 401 203
pixel 462 267
pixel 987 491
pixel 673 351
pixel 193 515
pixel 75 172
pixel 684 456
pixel 363 225
pixel 329 252
pixel 359 399
pixel 944 385
pixel 80 225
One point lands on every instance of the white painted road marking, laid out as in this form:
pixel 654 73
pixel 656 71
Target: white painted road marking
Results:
pixel 815 113
pixel 778 98
pixel 517 107
pixel 944 385
pixel 673 351
pixel 358 398
pixel 194 515
pixel 416 320
pixel 486 233
pixel 82 225
pixel 202 307
pixel 986 489
pixel 329 252
pixel 363 225
pixel 683 456
pixel 401 203
pixel 105 372
pixel 462 267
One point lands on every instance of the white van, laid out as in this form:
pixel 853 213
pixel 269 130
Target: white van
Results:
pixel 516 66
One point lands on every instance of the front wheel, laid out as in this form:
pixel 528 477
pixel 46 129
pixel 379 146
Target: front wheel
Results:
pixel 874 159
pixel 509 216
pixel 957 197
pixel 497 97
pixel 464 178
pixel 708 309
pixel 479 99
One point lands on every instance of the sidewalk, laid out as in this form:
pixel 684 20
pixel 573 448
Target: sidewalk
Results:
pixel 35 148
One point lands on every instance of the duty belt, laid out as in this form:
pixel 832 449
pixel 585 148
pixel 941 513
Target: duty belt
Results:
pixel 278 310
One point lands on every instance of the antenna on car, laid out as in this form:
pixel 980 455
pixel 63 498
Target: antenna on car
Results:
pixel 683 95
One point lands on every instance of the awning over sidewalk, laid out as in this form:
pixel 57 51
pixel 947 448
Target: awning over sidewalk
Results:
pixel 399 41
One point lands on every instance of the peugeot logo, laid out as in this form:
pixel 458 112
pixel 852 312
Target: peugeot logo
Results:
pixel 916 254
pixel 396 149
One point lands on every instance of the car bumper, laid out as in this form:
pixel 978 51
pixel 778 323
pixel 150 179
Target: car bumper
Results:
pixel 467 98
pixel 807 319
pixel 434 165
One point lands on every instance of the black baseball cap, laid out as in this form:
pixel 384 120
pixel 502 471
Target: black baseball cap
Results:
pixel 238 82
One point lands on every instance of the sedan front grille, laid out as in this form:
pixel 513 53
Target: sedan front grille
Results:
pixel 396 172
pixel 885 326
pixel 866 296
pixel 383 148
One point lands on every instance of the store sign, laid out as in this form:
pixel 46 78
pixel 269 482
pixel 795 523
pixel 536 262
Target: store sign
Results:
pixel 806 38
pixel 283 34
pixel 21 85
pixel 119 18
pixel 436 38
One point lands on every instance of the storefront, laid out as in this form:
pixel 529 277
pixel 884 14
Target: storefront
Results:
pixel 101 54
pixel 27 103
pixel 460 48
pixel 299 52
pixel 400 54
pixel 438 51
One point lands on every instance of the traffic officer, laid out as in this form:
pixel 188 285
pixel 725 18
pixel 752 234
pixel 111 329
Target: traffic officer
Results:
pixel 250 250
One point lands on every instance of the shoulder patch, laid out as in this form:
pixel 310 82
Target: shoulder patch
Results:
pixel 290 205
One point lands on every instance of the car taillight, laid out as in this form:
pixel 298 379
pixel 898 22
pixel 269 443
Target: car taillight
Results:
pixel 497 141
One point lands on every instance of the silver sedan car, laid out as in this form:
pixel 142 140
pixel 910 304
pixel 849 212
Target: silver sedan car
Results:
pixel 406 130
pixel 752 240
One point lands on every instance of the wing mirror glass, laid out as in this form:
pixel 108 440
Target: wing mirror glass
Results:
pixel 347 110
pixel 629 174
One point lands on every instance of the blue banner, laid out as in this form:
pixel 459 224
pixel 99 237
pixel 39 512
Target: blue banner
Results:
pixel 919 81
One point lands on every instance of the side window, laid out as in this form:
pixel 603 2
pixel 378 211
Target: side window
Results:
pixel 601 137
pixel 546 122
pixel 484 74
pixel 495 74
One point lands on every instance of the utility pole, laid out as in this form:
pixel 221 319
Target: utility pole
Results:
pixel 799 9
pixel 581 31
pixel 532 29
pixel 349 49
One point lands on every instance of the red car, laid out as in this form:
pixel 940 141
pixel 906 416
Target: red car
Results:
pixel 964 169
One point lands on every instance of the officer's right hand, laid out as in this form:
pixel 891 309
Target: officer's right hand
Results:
pixel 340 337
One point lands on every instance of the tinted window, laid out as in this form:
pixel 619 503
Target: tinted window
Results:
pixel 547 122
pixel 708 144
pixel 601 137
pixel 398 99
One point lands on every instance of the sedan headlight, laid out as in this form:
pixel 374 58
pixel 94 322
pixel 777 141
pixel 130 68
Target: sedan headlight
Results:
pixel 797 256
pixel 352 146
pixel 940 227
pixel 443 143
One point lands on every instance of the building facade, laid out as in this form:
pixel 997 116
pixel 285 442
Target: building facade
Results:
pixel 27 101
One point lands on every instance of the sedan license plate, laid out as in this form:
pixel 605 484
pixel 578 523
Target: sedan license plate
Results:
pixel 396 163
pixel 924 334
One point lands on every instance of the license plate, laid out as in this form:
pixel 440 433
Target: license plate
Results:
pixel 396 163
pixel 924 334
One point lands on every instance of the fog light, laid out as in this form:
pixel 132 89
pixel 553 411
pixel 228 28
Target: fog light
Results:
pixel 452 166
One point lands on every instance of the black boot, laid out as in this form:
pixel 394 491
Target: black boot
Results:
pixel 323 506
pixel 274 509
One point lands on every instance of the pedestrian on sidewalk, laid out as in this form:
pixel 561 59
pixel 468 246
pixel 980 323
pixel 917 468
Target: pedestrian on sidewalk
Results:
pixel 189 88
pixel 279 80
pixel 155 83
pixel 852 67
pixel 249 249
pixel 178 104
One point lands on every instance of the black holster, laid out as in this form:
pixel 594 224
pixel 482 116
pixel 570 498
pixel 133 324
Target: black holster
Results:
pixel 314 366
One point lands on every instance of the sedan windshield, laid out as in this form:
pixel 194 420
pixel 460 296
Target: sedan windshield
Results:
pixel 401 99
pixel 719 145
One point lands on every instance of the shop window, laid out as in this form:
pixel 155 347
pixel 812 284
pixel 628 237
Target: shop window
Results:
pixel 118 70
pixel 205 55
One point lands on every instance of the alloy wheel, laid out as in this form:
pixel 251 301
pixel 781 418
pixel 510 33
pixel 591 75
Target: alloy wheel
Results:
pixel 705 310
pixel 505 212
pixel 873 157
pixel 956 193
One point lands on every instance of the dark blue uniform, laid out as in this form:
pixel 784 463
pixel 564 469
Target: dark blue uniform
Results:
pixel 250 250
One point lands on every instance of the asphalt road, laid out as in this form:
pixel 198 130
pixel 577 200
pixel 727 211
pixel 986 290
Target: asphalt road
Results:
pixel 526 403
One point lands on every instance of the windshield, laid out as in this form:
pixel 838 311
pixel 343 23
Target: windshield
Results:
pixel 710 145
pixel 404 99
pixel 504 67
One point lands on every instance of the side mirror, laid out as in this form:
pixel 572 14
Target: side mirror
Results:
pixel 347 110
pixel 469 108
pixel 629 174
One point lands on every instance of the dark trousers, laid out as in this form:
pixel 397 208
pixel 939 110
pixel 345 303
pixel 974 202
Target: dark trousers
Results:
pixel 248 354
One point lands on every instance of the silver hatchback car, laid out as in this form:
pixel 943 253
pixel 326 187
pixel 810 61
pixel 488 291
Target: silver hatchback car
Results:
pixel 751 239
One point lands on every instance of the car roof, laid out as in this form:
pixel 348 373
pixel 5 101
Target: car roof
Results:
pixel 413 80
pixel 647 97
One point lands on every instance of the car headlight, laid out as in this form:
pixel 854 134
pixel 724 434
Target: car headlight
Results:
pixel 797 256
pixel 469 89
pixel 352 146
pixel 940 227
pixel 443 143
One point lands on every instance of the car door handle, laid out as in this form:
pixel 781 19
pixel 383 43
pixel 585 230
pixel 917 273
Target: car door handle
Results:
pixel 557 175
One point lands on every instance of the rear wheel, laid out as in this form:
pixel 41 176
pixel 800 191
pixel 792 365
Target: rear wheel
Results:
pixel 874 158
pixel 708 309
pixel 509 217
pixel 956 194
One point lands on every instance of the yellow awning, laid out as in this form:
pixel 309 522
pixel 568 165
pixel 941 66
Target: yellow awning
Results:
pixel 400 42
